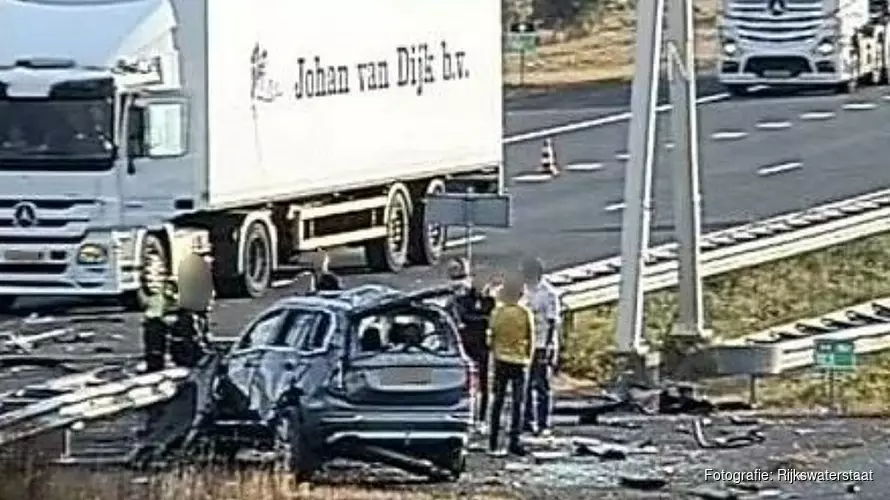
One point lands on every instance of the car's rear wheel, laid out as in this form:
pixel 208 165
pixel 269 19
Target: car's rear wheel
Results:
pixel 450 458
pixel 298 456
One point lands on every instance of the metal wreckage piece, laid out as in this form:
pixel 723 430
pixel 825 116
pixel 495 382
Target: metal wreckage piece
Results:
pixel 74 400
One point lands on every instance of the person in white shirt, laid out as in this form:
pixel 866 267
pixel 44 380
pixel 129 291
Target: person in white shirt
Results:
pixel 543 301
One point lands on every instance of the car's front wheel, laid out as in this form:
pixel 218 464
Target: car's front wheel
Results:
pixel 298 456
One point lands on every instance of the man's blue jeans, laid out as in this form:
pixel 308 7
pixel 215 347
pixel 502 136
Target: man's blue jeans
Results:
pixel 538 398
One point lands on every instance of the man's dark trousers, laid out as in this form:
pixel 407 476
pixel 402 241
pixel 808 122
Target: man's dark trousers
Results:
pixel 506 375
pixel 538 399
pixel 477 350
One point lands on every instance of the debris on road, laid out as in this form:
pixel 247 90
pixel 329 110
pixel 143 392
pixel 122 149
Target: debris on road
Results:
pixel 643 482
pixel 736 440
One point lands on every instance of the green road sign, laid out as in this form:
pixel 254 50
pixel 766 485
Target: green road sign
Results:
pixel 522 42
pixel 835 355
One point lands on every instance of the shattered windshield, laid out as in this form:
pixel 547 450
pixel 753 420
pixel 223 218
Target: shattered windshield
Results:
pixel 56 128
pixel 418 330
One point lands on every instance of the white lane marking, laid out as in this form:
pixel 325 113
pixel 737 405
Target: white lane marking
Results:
pixel 669 146
pixel 776 125
pixel 817 115
pixel 622 156
pixel 523 178
pixel 780 168
pixel 557 111
pixel 584 167
pixel 597 122
pixel 728 135
pixel 614 207
pixel 859 106
pixel 462 242
pixel 886 97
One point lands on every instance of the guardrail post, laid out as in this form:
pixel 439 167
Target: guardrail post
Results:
pixel 638 184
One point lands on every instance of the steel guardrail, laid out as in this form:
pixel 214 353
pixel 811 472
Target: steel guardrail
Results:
pixel 789 347
pixel 597 283
pixel 90 403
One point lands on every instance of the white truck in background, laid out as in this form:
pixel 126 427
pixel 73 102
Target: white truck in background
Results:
pixel 253 130
pixel 803 43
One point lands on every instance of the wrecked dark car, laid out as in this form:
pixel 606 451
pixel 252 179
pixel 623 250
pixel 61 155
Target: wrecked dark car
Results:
pixel 370 373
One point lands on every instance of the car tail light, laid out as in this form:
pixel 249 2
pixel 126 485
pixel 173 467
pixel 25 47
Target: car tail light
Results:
pixel 472 379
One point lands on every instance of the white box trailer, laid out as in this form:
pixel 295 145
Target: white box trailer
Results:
pixel 268 128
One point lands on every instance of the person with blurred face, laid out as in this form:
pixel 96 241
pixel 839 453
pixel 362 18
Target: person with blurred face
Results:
pixel 512 340
pixel 325 279
pixel 542 299
pixel 474 306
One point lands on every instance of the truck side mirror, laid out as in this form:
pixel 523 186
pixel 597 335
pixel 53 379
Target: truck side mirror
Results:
pixel 136 132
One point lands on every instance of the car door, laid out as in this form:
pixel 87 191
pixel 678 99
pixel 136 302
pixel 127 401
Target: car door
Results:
pixel 244 360
pixel 297 357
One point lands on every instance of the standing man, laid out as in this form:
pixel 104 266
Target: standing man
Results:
pixel 474 308
pixel 512 341
pixel 542 299
pixel 325 280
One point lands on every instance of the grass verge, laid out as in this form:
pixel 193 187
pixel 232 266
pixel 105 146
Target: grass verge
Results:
pixel 602 53
pixel 199 484
pixel 753 299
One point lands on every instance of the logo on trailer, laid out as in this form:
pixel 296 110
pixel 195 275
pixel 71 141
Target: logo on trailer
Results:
pixel 776 7
pixel 262 87
pixel 24 214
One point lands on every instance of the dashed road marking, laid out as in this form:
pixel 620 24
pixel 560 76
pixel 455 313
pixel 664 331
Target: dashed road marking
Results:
pixel 462 242
pixel 817 115
pixel 776 125
pixel 584 167
pixel 859 106
pixel 622 156
pixel 728 135
pixel 886 98
pixel 530 178
pixel 670 146
pixel 779 169
pixel 614 207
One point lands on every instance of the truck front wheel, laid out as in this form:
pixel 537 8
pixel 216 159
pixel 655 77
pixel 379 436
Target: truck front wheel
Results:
pixel 390 253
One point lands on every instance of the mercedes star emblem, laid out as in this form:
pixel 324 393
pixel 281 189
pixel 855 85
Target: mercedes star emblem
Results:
pixel 24 214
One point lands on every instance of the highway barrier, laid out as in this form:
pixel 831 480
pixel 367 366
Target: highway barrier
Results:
pixel 791 347
pixel 596 283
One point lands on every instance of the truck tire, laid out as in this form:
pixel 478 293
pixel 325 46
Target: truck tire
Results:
pixel 256 260
pixel 883 62
pixel 427 240
pixel 152 252
pixel 390 254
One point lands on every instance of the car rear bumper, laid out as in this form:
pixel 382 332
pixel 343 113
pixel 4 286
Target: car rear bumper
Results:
pixel 404 428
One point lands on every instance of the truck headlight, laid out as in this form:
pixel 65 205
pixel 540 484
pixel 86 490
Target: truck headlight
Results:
pixel 825 48
pixel 730 48
pixel 91 253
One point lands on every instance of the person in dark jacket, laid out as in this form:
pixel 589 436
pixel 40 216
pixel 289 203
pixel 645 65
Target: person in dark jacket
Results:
pixel 474 307
pixel 325 280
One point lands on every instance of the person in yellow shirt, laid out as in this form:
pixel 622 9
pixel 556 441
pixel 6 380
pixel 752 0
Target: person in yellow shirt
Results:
pixel 512 341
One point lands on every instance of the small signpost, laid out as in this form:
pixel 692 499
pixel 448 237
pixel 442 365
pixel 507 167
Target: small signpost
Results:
pixel 468 210
pixel 522 39
pixel 832 356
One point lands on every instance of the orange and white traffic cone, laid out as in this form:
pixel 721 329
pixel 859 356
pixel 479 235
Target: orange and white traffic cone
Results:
pixel 548 159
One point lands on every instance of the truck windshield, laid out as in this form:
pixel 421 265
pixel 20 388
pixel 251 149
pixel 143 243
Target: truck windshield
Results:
pixel 56 129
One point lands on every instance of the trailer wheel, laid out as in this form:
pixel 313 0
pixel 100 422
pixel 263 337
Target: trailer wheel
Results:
pixel 390 254
pixel 154 262
pixel 256 261
pixel 427 240
pixel 882 61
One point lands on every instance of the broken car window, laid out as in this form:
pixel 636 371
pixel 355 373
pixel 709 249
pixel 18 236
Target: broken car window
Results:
pixel 262 332
pixel 402 331
pixel 305 330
